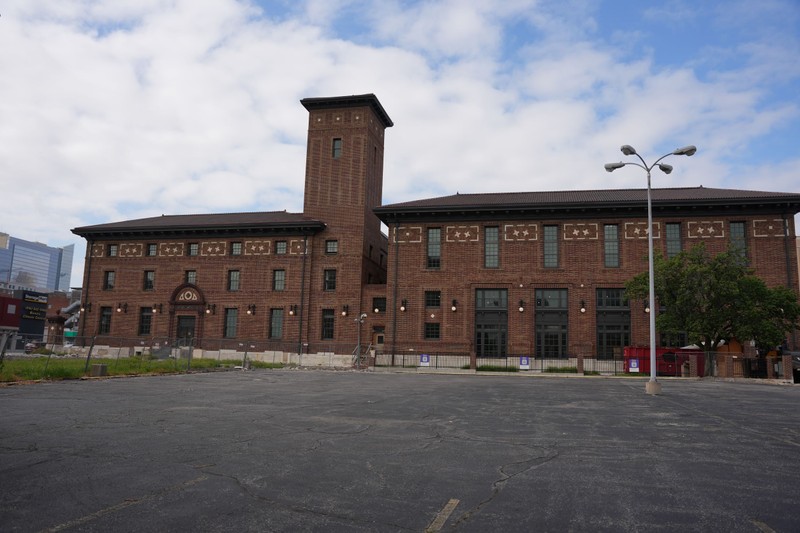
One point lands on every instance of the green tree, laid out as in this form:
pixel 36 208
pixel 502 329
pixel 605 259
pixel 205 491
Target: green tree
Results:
pixel 714 299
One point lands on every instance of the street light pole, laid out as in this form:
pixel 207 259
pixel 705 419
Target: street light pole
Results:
pixel 359 321
pixel 652 386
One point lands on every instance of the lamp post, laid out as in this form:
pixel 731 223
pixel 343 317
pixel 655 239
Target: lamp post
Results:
pixel 359 321
pixel 652 386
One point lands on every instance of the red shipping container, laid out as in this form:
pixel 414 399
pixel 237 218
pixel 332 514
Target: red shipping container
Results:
pixel 669 361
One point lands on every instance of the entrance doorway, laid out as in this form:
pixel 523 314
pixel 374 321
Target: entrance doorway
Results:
pixel 186 329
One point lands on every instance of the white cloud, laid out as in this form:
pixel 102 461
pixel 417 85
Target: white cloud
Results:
pixel 121 109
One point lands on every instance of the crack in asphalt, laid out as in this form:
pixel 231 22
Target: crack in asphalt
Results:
pixel 497 486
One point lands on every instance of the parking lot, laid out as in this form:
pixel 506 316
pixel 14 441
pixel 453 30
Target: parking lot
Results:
pixel 301 450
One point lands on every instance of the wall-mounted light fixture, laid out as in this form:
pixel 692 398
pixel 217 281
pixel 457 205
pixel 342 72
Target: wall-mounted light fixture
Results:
pixel 251 309
pixel 122 308
pixel 454 307
pixel 646 306
pixel 345 309
pixel 376 310
pixel 292 310
pixel 157 308
pixel 404 305
pixel 583 306
pixel 521 306
pixel 87 307
pixel 211 309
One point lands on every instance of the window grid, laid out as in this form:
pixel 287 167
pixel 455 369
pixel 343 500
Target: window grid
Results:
pixel 194 248
pixel 738 241
pixel 432 330
pixel 231 318
pixel 278 280
pixel 674 246
pixel 329 283
pixel 327 324
pixel 152 250
pixel 611 244
pixel 280 247
pixel 233 280
pixel 433 298
pixel 149 280
pixel 191 277
pixel 550 252
pixel 109 278
pixel 336 148
pixel 331 247
pixel 104 327
pixel 434 247
pixel 236 248
pixel 145 320
pixel 276 323
pixel 491 247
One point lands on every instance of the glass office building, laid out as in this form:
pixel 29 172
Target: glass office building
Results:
pixel 26 265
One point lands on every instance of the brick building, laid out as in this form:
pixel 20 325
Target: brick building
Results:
pixel 471 274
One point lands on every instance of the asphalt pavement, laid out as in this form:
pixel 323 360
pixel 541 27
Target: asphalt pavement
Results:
pixel 304 450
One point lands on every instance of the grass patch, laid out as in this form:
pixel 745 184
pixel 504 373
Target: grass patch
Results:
pixel 497 368
pixel 37 368
pixel 562 369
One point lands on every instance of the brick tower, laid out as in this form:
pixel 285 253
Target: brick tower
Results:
pixel 343 183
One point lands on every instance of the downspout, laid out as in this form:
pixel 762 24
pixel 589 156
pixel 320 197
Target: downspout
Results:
pixel 394 292
pixel 786 253
pixel 300 313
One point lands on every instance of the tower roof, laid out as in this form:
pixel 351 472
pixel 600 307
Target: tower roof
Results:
pixel 356 100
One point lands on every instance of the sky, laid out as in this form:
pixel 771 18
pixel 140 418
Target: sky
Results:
pixel 121 109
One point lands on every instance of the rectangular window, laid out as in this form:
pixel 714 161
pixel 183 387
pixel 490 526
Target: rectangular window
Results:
pixel 738 240
pixel 190 276
pixel 149 283
pixel 231 317
pixel 152 250
pixel 432 330
pixel 379 305
pixel 236 248
pixel 145 320
pixel 673 239
pixel 109 277
pixel 611 245
pixel 550 253
pixel 194 248
pixel 278 280
pixel 275 323
pixel 280 247
pixel 552 320
pixel 434 247
pixel 491 322
pixel 433 298
pixel 613 323
pixel 329 283
pixel 327 324
pixel 491 247
pixel 233 280
pixel 112 250
pixel 336 148
pixel 105 321
pixel 331 247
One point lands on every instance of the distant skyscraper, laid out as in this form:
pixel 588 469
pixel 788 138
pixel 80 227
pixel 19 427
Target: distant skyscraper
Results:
pixel 34 266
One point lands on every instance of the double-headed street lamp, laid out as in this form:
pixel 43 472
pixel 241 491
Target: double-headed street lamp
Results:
pixel 652 386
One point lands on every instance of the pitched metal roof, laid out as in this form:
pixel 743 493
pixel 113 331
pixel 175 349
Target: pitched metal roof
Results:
pixel 590 201
pixel 356 100
pixel 220 223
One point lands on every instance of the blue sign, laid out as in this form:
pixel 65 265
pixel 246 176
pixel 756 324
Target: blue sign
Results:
pixel 525 363
pixel 424 360
pixel 633 365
